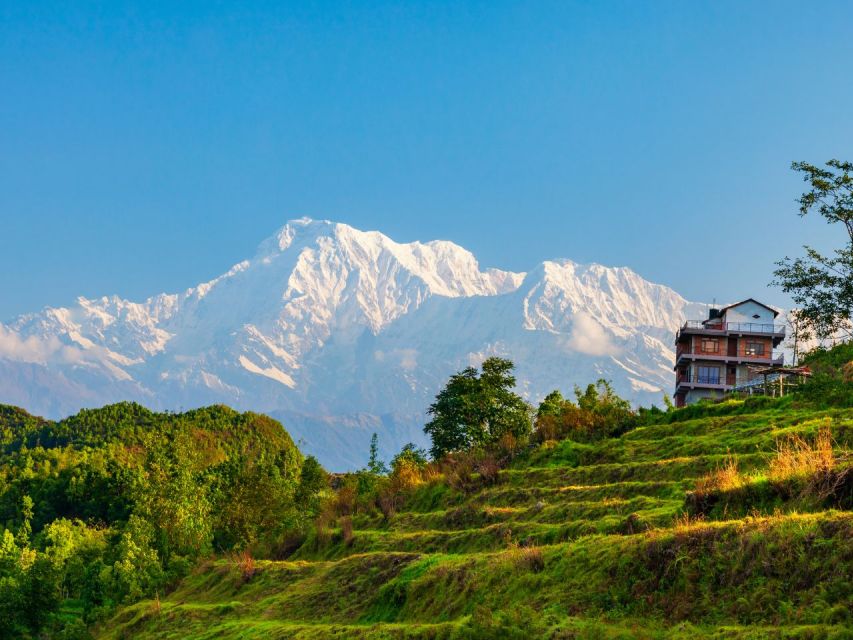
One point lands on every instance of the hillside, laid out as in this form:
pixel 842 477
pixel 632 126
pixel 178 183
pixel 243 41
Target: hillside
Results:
pixel 338 333
pixel 113 504
pixel 728 521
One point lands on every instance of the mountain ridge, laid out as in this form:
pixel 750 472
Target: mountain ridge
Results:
pixel 349 327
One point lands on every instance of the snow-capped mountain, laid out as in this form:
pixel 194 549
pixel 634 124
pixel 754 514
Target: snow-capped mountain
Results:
pixel 340 333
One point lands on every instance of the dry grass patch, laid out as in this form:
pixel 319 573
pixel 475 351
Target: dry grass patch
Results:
pixel 725 478
pixel 797 457
pixel 527 558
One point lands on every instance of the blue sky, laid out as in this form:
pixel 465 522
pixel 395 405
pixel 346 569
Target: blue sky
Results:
pixel 147 148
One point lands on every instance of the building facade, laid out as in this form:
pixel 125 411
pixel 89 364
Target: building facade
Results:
pixel 715 355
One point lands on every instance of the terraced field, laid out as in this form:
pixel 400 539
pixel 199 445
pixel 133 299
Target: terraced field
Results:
pixel 599 540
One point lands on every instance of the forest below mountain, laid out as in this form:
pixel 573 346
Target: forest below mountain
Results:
pixel 584 518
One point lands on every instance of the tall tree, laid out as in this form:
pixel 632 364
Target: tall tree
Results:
pixel 477 408
pixel 374 464
pixel 822 285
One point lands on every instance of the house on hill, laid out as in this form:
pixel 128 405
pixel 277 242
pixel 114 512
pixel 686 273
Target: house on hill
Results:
pixel 715 355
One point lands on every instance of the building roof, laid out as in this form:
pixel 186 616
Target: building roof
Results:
pixel 760 304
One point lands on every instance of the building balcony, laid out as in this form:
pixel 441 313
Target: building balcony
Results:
pixel 688 380
pixel 697 327
pixel 743 356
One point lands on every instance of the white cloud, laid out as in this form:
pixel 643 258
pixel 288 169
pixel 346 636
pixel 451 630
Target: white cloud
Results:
pixel 36 350
pixel 406 359
pixel 590 338
pixel 52 351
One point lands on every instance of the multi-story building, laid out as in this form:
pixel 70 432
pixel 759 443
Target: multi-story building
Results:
pixel 716 355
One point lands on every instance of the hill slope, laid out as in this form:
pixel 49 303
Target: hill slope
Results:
pixel 636 536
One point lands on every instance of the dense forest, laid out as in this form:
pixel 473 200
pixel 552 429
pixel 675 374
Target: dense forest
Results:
pixel 117 504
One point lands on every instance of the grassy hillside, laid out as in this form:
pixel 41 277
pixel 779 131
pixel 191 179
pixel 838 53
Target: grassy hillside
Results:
pixel 724 521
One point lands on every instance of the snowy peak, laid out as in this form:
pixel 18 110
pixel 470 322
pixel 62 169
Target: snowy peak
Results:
pixel 332 325
pixel 444 268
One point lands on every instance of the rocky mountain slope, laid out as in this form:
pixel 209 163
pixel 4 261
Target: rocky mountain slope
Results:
pixel 340 333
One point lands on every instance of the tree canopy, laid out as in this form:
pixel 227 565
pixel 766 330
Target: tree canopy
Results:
pixel 476 408
pixel 822 285
pixel 113 504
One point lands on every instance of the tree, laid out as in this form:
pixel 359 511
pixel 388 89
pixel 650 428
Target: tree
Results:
pixel 799 334
pixel 374 464
pixel 26 528
pixel 552 405
pixel 477 408
pixel 409 455
pixel 820 285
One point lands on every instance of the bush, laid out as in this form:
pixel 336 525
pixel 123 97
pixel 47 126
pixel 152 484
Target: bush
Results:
pixel 489 469
pixel 245 565
pixel 831 383
pixel 347 535
pixel 458 470
pixel 599 413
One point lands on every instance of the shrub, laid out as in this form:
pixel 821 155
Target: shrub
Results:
pixel 245 565
pixel 323 529
pixel 598 413
pixel 345 500
pixel 458 470
pixel 346 531
pixel 533 559
pixel 489 469
pixel 387 503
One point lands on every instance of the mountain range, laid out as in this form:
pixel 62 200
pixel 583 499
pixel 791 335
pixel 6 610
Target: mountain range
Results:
pixel 340 333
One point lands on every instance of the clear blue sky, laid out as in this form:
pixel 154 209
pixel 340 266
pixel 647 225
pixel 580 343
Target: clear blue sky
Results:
pixel 147 148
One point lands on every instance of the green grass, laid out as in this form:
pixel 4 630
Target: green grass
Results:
pixel 572 541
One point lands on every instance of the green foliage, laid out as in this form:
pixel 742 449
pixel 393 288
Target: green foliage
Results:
pixel 831 383
pixel 409 456
pixel 599 413
pixel 476 409
pixel 822 286
pixel 115 504
pixel 374 464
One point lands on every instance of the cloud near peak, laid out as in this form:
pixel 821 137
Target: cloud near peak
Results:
pixel 590 338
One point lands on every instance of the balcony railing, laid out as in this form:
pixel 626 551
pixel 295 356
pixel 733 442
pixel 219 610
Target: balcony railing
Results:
pixel 691 378
pixel 736 327
pixel 724 354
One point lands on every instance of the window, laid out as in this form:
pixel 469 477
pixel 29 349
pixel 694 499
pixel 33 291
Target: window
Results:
pixel 710 345
pixel 754 348
pixel 708 375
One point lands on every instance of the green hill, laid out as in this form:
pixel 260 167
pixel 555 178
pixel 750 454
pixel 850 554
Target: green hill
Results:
pixel 728 521
pixel 116 504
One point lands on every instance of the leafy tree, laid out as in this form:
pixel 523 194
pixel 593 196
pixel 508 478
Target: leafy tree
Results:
pixel 477 408
pixel 552 405
pixel 26 528
pixel 375 465
pixel 41 592
pixel 599 412
pixel 137 570
pixel 313 480
pixel 111 504
pixel 822 285
pixel 799 334
pixel 409 455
